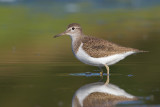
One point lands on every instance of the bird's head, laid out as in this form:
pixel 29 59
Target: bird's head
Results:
pixel 73 30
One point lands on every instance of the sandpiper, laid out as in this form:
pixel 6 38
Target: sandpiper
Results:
pixel 95 51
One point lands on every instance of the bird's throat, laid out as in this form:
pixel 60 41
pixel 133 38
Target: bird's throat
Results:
pixel 76 42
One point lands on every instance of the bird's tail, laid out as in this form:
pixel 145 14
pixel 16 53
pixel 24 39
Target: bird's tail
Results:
pixel 140 51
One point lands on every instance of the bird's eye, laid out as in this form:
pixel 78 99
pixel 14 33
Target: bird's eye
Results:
pixel 73 28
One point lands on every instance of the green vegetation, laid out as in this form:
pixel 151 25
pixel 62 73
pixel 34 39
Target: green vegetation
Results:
pixel 25 31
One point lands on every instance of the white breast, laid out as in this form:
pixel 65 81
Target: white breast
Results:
pixel 109 60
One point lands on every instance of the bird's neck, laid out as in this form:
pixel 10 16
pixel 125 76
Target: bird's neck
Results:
pixel 76 42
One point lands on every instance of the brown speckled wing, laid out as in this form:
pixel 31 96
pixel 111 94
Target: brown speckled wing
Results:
pixel 96 47
pixel 98 99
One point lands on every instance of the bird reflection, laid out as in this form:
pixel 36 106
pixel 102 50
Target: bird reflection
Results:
pixel 100 95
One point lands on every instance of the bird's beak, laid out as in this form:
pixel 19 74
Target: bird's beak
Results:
pixel 64 33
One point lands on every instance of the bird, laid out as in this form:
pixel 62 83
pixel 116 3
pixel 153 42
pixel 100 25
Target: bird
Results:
pixel 95 51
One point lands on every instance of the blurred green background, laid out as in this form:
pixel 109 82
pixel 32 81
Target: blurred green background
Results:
pixel 35 67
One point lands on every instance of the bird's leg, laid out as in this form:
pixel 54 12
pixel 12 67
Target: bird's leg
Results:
pixel 101 72
pixel 107 81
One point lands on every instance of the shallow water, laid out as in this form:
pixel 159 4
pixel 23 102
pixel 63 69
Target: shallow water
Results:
pixel 44 84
